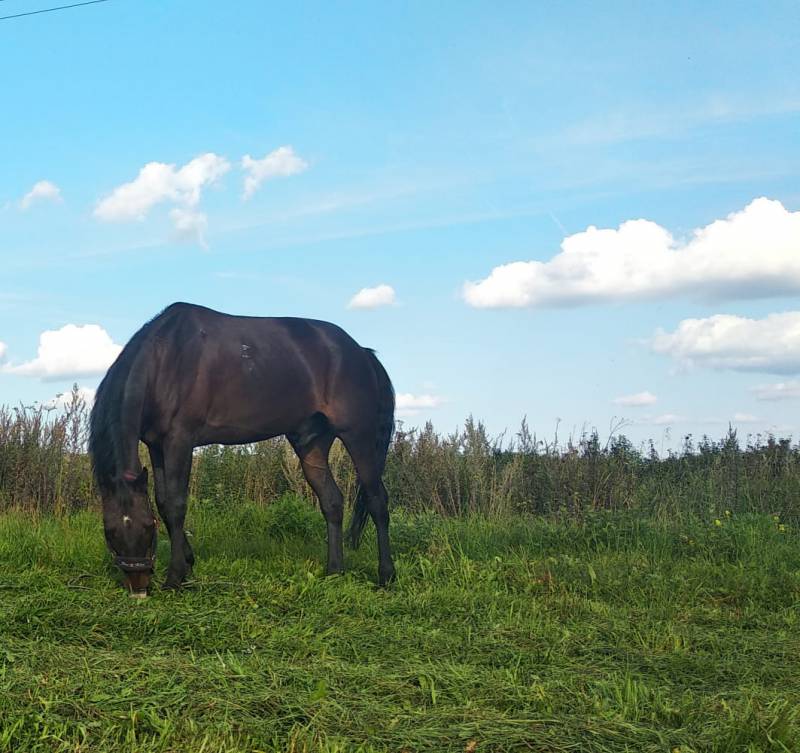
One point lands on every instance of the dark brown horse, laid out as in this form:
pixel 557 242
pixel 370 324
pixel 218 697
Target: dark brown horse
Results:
pixel 193 376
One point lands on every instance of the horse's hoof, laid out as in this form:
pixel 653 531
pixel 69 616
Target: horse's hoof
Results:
pixel 137 594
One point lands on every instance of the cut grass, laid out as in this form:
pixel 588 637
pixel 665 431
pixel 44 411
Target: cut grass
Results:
pixel 611 634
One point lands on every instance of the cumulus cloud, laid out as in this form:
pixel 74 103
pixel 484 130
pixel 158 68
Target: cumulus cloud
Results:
pixel 789 390
pixel 158 182
pixel 753 253
pixel 638 400
pixel 372 298
pixel 411 405
pixel 724 341
pixel 282 162
pixel 3 351
pixel 44 190
pixel 74 351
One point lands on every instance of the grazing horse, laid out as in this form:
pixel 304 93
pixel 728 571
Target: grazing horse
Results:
pixel 193 376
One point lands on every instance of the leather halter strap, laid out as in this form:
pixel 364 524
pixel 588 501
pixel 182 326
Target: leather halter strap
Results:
pixel 135 564
pixel 139 564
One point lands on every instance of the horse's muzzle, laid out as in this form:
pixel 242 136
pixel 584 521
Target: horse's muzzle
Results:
pixel 138 570
pixel 137 583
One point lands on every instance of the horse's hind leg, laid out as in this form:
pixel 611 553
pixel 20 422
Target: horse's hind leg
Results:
pixel 369 467
pixel 314 462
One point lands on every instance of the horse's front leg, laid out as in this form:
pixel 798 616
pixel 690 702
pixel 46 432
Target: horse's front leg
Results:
pixel 160 484
pixel 176 467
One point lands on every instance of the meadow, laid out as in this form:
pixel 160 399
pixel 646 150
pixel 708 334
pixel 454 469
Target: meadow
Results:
pixel 576 597
pixel 613 633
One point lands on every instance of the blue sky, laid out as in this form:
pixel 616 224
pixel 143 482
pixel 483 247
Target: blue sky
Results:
pixel 424 146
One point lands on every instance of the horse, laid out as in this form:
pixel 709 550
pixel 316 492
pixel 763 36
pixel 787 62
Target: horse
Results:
pixel 192 376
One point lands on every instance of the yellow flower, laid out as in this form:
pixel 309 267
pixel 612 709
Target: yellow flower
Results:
pixel 727 513
pixel 717 522
pixel 782 528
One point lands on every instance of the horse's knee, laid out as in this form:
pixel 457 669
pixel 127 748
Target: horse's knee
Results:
pixel 332 507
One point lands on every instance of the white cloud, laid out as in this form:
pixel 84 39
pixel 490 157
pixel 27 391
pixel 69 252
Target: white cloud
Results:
pixel 789 390
pixel 668 419
pixel 724 341
pixel 158 182
pixel 64 399
pixel 637 400
pixel 754 253
pixel 44 190
pixel 3 350
pixel 73 351
pixel 282 162
pixel 411 405
pixel 189 225
pixel 372 298
pixel 626 125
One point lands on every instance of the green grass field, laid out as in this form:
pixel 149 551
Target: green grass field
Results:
pixel 616 633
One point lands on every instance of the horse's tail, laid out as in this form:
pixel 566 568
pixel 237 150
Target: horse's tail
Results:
pixel 383 439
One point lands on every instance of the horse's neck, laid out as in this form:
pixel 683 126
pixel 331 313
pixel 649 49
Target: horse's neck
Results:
pixel 130 415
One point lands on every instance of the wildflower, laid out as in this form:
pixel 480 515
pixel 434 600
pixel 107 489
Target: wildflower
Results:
pixel 717 522
pixel 782 528
pixel 776 518
pixel 727 513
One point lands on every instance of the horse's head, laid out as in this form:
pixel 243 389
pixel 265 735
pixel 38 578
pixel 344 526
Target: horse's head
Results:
pixel 131 530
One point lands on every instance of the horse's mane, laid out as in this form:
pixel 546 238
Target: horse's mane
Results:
pixel 105 423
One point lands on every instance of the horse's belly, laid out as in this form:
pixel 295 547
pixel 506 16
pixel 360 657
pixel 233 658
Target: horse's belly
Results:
pixel 256 404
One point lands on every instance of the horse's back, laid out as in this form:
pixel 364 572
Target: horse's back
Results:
pixel 241 378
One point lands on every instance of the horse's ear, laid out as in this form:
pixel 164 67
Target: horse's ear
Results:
pixel 137 483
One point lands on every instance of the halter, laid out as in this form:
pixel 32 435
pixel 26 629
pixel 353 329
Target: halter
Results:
pixel 138 564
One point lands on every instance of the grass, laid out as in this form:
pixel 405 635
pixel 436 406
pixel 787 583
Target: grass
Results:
pixel 613 633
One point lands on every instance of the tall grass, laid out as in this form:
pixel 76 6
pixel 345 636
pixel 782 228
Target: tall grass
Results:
pixel 43 460
pixel 44 467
